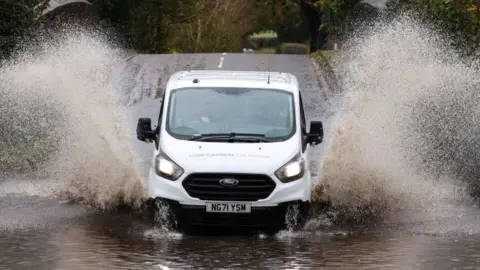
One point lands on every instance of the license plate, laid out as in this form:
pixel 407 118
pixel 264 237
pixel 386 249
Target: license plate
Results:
pixel 228 207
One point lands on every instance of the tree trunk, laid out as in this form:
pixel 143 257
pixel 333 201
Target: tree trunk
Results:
pixel 313 17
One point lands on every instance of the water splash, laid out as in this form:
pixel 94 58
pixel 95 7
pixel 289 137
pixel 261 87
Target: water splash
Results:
pixel 407 119
pixel 162 234
pixel 61 92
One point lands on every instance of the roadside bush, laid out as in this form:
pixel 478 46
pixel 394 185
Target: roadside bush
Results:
pixel 28 133
pixel 446 125
pixel 259 42
pixel 214 26
pixel 293 48
pixel 326 61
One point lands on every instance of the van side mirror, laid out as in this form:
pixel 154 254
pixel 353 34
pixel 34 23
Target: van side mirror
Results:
pixel 144 130
pixel 315 136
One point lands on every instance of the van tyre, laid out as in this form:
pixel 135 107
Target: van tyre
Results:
pixel 297 216
pixel 164 216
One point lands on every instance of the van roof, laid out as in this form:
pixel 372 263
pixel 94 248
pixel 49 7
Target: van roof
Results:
pixel 228 78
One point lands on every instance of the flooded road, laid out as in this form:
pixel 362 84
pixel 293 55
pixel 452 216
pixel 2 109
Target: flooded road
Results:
pixel 102 241
pixel 40 231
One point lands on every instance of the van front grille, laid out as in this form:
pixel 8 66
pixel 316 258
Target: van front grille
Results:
pixel 250 187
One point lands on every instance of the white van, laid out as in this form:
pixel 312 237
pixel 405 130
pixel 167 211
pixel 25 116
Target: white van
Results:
pixel 231 148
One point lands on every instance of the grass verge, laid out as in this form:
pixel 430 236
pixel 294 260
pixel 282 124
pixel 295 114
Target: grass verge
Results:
pixel 28 156
pixel 326 61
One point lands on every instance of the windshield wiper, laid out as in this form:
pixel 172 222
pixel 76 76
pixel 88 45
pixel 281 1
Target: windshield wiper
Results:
pixel 231 137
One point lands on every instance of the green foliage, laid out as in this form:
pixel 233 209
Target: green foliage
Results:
pixel 29 137
pixel 162 26
pixel 144 25
pixel 26 157
pixel 327 63
pixel 293 48
pixel 265 33
pixel 215 26
pixel 266 50
pixel 157 26
pixel 261 41
pixel 335 13
pixel 460 18
pixel 289 23
pixel 264 11
pixel 17 17
pixel 284 17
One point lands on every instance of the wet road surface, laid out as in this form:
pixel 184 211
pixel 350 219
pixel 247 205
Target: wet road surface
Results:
pixel 39 233
pixel 121 242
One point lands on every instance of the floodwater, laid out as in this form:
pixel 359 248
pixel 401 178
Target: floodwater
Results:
pixel 418 219
pixel 121 241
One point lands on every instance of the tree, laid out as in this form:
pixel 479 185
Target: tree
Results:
pixel 335 13
pixel 144 25
pixel 17 17
pixel 459 19
pixel 216 25
pixel 291 25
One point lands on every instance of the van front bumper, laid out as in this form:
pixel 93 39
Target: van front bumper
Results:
pixel 273 217
pixel 299 190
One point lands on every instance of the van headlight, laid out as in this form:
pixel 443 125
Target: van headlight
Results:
pixel 166 168
pixel 292 170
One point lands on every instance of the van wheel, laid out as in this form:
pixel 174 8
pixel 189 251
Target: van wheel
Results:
pixel 164 217
pixel 297 216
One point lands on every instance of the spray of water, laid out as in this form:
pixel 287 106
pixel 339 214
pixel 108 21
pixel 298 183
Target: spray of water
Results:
pixel 61 109
pixel 407 127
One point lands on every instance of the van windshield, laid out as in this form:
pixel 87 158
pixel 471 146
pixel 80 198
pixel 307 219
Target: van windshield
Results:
pixel 200 111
